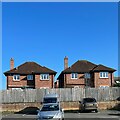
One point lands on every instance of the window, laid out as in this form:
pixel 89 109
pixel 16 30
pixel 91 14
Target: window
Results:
pixel 16 77
pixel 50 100
pixel 50 107
pixel 74 75
pixel 103 74
pixel 44 76
pixel 29 77
pixel 87 75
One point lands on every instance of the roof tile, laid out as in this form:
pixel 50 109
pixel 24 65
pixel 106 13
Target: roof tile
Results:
pixel 29 68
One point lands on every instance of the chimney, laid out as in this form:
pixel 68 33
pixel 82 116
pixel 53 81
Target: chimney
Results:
pixel 65 62
pixel 11 63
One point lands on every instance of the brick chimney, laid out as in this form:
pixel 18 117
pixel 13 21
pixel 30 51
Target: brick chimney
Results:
pixel 11 63
pixel 65 62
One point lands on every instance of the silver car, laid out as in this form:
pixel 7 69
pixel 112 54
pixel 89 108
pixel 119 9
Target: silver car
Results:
pixel 50 98
pixel 51 111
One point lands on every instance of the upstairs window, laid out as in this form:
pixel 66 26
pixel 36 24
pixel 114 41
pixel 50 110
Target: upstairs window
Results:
pixel 103 74
pixel 74 75
pixel 29 77
pixel 44 76
pixel 16 77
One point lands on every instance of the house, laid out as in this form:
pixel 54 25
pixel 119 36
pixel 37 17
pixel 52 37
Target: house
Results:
pixel 29 75
pixel 85 74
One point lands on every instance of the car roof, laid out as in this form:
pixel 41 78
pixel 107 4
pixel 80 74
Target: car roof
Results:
pixel 50 95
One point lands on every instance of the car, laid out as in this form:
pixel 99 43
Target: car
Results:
pixel 88 104
pixel 50 98
pixel 51 111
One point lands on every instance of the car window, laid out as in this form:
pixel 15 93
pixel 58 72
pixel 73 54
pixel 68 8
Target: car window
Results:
pixel 89 100
pixel 50 100
pixel 50 108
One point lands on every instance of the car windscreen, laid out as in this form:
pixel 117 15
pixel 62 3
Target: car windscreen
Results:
pixel 50 100
pixel 50 107
pixel 89 100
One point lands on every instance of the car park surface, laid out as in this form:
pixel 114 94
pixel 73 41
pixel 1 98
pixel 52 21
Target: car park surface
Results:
pixel 101 115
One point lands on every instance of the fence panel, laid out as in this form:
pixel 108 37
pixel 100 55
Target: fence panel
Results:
pixel 91 92
pixel 66 94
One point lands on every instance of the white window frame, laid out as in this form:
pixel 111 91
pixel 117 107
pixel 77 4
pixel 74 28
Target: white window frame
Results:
pixel 74 74
pixel 29 77
pixel 16 77
pixel 103 74
pixel 45 77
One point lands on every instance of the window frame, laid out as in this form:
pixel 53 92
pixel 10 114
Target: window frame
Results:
pixel 103 75
pixel 73 75
pixel 16 77
pixel 43 76
pixel 31 78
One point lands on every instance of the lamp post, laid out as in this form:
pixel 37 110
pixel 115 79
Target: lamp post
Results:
pixel 86 76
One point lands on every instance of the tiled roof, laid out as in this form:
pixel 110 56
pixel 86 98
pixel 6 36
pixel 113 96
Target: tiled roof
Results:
pixel 82 66
pixel 103 68
pixel 29 68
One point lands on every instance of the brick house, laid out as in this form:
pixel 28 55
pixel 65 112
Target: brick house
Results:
pixel 85 74
pixel 29 75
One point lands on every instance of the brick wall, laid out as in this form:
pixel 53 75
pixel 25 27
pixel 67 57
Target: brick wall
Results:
pixel 35 83
pixel 79 82
pixel 95 80
pixel 44 83
pixel 31 107
pixel 20 83
pixel 103 81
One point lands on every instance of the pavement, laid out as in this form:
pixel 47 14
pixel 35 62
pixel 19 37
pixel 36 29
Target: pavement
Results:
pixel 101 115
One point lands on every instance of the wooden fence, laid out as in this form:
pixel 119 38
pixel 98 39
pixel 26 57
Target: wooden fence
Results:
pixel 66 94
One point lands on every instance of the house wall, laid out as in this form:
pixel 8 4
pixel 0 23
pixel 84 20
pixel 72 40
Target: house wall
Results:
pixel 44 83
pixel 95 81
pixel 16 84
pixel 75 82
pixel 35 83
pixel 103 81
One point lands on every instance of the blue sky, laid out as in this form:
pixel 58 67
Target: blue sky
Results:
pixel 47 32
